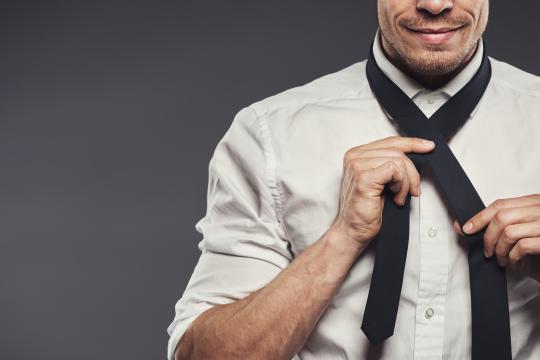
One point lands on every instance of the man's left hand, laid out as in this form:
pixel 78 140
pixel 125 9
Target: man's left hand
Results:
pixel 512 234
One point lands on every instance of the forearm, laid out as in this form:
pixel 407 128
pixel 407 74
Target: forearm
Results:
pixel 275 321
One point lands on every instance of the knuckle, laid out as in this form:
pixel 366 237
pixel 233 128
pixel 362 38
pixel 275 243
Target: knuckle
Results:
pixel 508 234
pixel 496 204
pixel 391 164
pixel 358 188
pixel 355 166
pixel 361 185
pixel 523 247
pixel 361 177
pixel 500 203
pixel 513 256
pixel 500 216
pixel 348 156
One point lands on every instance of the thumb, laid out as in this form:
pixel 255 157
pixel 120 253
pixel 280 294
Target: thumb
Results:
pixel 457 228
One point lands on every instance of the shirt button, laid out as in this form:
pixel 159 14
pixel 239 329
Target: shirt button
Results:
pixel 430 100
pixel 429 313
pixel 432 232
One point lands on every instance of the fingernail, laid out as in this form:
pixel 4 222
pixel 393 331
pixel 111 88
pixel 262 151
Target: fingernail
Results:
pixel 486 253
pixel 468 227
pixel 428 142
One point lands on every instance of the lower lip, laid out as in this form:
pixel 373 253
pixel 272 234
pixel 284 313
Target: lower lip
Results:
pixel 434 38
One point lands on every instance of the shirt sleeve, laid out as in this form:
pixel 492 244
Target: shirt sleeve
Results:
pixel 243 245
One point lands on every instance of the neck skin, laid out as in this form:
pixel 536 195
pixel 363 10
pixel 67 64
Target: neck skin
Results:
pixel 431 82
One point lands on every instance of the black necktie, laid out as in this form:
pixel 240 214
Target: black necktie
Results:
pixel 489 297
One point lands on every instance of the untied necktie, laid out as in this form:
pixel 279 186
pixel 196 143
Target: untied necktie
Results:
pixel 488 289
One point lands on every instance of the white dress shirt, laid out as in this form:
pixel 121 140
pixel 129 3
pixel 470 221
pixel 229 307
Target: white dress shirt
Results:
pixel 273 190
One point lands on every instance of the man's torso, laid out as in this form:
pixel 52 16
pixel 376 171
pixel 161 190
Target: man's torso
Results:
pixel 312 126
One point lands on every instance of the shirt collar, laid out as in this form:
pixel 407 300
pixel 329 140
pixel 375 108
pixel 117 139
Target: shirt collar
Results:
pixel 410 86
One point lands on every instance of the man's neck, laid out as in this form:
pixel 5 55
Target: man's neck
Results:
pixel 431 82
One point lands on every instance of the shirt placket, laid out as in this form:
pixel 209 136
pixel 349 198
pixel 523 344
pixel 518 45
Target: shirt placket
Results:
pixel 432 286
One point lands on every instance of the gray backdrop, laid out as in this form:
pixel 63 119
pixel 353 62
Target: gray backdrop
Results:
pixel 109 113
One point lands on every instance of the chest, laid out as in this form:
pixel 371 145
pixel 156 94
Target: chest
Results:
pixel 497 147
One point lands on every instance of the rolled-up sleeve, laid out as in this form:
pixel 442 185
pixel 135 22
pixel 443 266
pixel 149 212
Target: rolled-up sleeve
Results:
pixel 243 245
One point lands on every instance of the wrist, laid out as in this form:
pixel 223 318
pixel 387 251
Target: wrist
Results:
pixel 340 241
pixel 335 254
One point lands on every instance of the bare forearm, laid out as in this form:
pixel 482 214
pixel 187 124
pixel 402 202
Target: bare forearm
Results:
pixel 275 321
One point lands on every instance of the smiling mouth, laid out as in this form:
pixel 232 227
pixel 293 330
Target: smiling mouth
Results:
pixel 434 36
pixel 433 30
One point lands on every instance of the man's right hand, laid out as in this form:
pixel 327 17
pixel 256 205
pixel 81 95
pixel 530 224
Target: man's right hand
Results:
pixel 366 170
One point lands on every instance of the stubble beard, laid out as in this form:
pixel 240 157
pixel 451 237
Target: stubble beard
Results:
pixel 434 61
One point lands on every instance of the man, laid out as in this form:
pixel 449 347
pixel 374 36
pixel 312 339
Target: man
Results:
pixel 296 196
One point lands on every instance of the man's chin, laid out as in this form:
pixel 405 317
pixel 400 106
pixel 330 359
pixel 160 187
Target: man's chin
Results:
pixel 431 50
pixel 433 63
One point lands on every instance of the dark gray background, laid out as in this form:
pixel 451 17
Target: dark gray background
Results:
pixel 109 113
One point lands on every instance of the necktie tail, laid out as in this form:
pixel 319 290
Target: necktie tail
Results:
pixel 385 286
